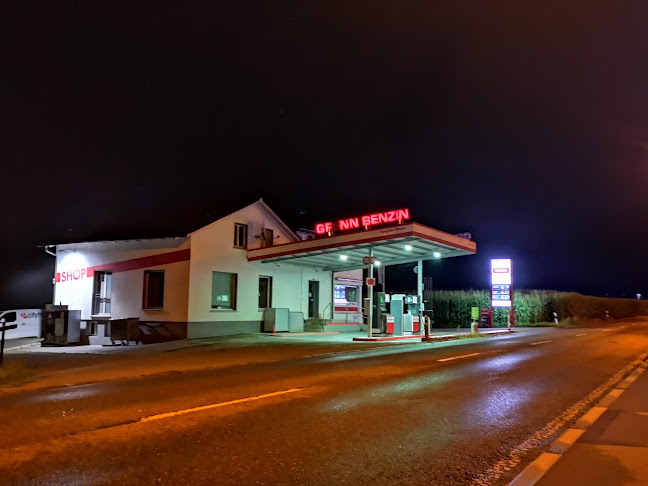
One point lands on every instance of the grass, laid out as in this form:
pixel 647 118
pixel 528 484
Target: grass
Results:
pixel 13 374
pixel 538 324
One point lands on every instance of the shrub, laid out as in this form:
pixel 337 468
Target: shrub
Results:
pixel 452 307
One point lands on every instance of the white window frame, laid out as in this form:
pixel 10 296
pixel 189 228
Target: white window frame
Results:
pixel 269 292
pixel 233 294
pixel 102 296
pixel 237 243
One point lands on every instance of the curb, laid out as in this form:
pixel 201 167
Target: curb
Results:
pixel 538 468
pixel 432 337
pixel 23 346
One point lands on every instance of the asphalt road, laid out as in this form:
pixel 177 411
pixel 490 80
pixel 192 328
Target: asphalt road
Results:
pixel 465 412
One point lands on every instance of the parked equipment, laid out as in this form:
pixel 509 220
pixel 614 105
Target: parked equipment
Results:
pixel 61 326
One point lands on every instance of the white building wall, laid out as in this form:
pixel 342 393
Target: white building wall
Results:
pixel 127 286
pixel 212 249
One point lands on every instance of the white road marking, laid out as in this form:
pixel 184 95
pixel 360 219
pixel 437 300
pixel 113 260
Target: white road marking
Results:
pixel 517 453
pixel 581 334
pixel 459 357
pixel 540 342
pixel 605 329
pixel 217 405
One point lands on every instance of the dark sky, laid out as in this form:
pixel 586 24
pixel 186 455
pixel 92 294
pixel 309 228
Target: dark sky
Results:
pixel 525 123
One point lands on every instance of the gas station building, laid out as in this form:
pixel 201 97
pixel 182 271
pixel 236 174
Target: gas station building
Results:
pixel 248 272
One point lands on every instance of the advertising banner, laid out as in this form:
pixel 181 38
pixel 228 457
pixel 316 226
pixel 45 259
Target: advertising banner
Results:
pixel 28 321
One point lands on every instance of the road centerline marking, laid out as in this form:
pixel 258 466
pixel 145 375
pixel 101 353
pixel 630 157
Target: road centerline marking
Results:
pixel 217 405
pixel 581 334
pixel 541 342
pixel 458 357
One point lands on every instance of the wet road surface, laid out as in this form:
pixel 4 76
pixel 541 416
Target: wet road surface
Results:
pixel 439 414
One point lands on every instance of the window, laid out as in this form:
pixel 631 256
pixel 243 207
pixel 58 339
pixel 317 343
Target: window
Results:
pixel 345 294
pixel 153 289
pixel 240 235
pixel 268 237
pixel 265 292
pixel 101 293
pixel 223 290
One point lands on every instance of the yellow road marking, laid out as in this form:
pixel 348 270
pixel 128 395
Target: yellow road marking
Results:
pixel 459 357
pixel 217 405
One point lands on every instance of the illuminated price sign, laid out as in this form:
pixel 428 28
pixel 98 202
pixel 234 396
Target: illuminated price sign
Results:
pixel 501 282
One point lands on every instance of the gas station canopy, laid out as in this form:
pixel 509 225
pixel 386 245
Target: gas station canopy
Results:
pixel 393 245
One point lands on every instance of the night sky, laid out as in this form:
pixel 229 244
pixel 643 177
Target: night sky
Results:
pixel 524 123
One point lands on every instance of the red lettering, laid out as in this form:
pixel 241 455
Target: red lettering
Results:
pixel 76 274
pixel 83 272
pixel 367 220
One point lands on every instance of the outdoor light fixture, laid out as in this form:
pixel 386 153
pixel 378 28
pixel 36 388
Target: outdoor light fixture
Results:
pixel 408 247
pixel 343 258
pixel 376 263
pixel 436 254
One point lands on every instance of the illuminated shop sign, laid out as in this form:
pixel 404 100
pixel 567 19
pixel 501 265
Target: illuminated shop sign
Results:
pixel 501 283
pixel 376 219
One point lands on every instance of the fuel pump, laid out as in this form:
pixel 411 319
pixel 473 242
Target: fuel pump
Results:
pixel 382 319
pixel 412 314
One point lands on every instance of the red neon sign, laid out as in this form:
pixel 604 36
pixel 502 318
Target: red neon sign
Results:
pixel 397 216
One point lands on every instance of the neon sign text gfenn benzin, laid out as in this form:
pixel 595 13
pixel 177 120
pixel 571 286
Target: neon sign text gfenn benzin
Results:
pixel 375 219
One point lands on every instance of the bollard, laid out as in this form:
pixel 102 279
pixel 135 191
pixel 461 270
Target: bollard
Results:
pixel 426 326
pixel 474 327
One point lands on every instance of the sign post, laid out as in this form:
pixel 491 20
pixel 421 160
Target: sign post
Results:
pixel 370 286
pixel 4 318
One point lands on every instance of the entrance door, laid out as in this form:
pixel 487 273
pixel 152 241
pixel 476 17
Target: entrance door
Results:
pixel 313 298
pixel 101 297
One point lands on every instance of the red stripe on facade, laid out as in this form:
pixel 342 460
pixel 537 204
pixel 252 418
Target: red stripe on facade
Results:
pixel 58 276
pixel 144 262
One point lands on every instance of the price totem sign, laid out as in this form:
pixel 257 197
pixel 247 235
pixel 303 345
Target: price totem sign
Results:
pixel 501 283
